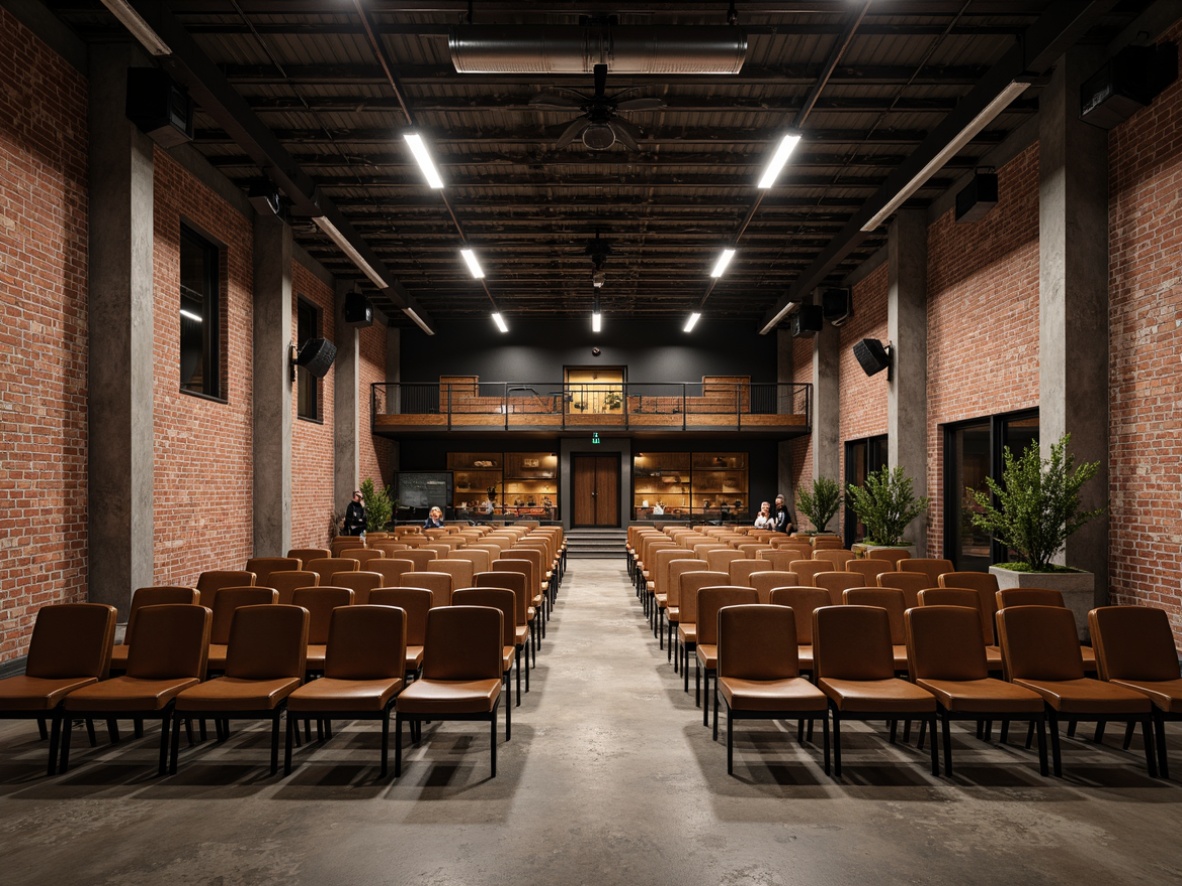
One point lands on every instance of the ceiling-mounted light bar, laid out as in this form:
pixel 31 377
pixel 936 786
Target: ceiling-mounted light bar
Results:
pixel 774 322
pixel 723 260
pixel 596 317
pixel 350 250
pixel 423 156
pixel 692 321
pixel 410 312
pixel 787 145
pixel 500 321
pixel 972 128
pixel 473 263
pixel 139 28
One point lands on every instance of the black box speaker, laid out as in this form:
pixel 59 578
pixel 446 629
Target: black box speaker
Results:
pixel 1127 82
pixel 872 356
pixel 807 321
pixel 316 356
pixel 159 106
pixel 977 197
pixel 837 305
pixel 358 310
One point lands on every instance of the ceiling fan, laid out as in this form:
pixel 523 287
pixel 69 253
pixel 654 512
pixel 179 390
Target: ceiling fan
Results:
pixel 598 126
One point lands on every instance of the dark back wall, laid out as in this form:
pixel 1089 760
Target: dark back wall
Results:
pixel 538 350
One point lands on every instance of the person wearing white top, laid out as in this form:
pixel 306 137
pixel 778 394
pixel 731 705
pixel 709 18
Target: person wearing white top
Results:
pixel 765 520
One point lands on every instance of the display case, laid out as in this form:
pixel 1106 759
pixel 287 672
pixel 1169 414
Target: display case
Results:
pixel 661 485
pixel 518 484
pixel 720 485
pixel 476 477
pixel 684 485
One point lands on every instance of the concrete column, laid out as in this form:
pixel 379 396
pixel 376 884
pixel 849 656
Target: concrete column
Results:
pixel 346 381
pixel 784 345
pixel 1073 295
pixel 272 386
pixel 121 362
pixel 394 375
pixel 826 403
pixel 907 329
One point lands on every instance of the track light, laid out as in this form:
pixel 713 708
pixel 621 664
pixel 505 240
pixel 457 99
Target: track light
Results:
pixel 138 27
pixel 723 261
pixel 473 263
pixel 500 321
pixel 779 159
pixel 419 149
pixel 692 322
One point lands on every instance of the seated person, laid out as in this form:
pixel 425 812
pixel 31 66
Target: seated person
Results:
pixel 434 519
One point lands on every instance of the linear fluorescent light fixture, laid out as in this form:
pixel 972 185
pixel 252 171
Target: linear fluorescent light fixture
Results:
pixel 473 263
pixel 775 321
pixel 419 149
pixel 500 321
pixel 723 261
pixel 410 312
pixel 196 318
pixel 139 28
pixel 776 165
pixel 692 321
pixel 974 126
pixel 343 243
pixel 596 320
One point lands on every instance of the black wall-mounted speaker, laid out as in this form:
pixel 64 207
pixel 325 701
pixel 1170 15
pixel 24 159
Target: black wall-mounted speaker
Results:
pixel 977 197
pixel 837 305
pixel 316 356
pixel 1127 82
pixel 358 310
pixel 159 106
pixel 872 356
pixel 807 321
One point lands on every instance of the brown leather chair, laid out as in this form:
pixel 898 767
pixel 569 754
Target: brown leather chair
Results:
pixel 541 592
pixel 659 603
pixel 868 568
pixel 326 566
pixel 837 556
pixel 687 626
pixel 1041 651
pixel 1135 648
pixel 970 599
pixel 264 665
pixel 150 596
pixel 803 601
pixel 285 583
pixel 320 602
pixel 502 599
pixel 932 567
pixel 892 600
pixel 710 600
pixel 461 571
pixel 438 583
pixel 345 542
pixel 806 570
pixel 766 582
pixel 480 560
pixel 389 548
pixel 1007 597
pixel 779 558
pixel 363 555
pixel 910 583
pixel 360 583
pixel 946 656
pixel 306 554
pixel 169 643
pixel 508 563
pixel 856 671
pixel 673 599
pixel 462 669
pixel 515 582
pixel 363 673
pixel 70 648
pixel 419 556
pixel 262 567
pixel 837 583
pixel 212 581
pixel 225 604
pixel 391 569
pixel 758 677
pixel 891 555
pixel 415 602
pixel 741 570
pixel 822 542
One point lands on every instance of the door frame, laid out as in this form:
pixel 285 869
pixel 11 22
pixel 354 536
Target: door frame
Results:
pixel 615 524
pixel 582 444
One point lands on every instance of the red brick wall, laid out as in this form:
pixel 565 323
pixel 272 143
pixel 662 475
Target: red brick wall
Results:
pixel 312 455
pixel 43 333
pixel 376 457
pixel 1145 329
pixel 204 463
pixel 982 317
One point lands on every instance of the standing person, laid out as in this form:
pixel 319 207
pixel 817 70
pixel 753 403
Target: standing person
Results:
pixel 765 519
pixel 434 519
pixel 355 515
pixel 785 521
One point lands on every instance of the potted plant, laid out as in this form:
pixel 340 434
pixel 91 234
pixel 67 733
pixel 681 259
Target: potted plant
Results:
pixel 886 504
pixel 379 506
pixel 820 503
pixel 612 400
pixel 1033 511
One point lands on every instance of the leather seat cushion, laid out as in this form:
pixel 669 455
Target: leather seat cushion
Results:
pixel 888 695
pixel 128 694
pixel 1166 695
pixel 986 696
pixel 236 694
pixel 1088 696
pixel 793 694
pixel 449 696
pixel 25 693
pixel 329 695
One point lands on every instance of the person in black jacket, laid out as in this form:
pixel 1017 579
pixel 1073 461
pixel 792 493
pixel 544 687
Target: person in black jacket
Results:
pixel 785 521
pixel 355 515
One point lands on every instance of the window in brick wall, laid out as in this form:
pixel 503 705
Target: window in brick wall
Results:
pixel 308 323
pixel 862 457
pixel 200 316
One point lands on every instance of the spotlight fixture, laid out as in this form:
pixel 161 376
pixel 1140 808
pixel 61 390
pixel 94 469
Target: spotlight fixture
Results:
pixel 598 278
pixel 473 263
pixel 500 321
pixel 419 149
pixel 692 321
pixel 723 260
pixel 779 159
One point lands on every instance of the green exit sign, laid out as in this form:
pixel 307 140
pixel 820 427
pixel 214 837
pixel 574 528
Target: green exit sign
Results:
pixel 595 438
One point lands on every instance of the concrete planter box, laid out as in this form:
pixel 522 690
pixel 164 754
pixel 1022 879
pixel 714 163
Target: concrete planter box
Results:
pixel 1078 590
pixel 863 550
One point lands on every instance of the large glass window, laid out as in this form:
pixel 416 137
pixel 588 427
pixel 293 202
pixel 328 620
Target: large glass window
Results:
pixel 307 385
pixel 862 457
pixel 200 317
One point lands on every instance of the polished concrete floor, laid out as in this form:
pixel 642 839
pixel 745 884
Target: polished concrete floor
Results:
pixel 610 778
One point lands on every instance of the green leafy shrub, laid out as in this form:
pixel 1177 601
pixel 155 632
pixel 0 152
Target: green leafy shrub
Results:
pixel 379 506
pixel 1038 505
pixel 820 504
pixel 886 504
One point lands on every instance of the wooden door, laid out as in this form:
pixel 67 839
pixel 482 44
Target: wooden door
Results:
pixel 597 489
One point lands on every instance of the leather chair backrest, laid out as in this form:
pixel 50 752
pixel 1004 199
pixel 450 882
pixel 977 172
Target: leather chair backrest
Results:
pixel 659 568
pixel 1008 597
pixel 985 584
pixel 757 642
pixel 534 557
pixel 306 554
pixel 169 640
pixel 268 642
pixel 262 567
pixel 212 581
pixel 852 643
pixel 1134 643
pixel 415 602
pixel 286 582
pixel 933 568
pixel 944 643
pixel 892 600
pixel 767 581
pixel 677 568
pixel 822 542
pixel 780 559
pixel 228 601
pixel 498 598
pixel 360 583
pixel 157 595
pixel 366 643
pixel 837 583
pixel 326 566
pixel 509 563
pixel 438 583
pixel 691 583
pixel 1039 643
pixel 419 556
pixel 320 603
pixel 363 555
pixel 345 542
pixel 868 568
pixel 966 597
pixel 463 643
pixel 513 581
pixel 713 598
pixel 480 560
pixel 806 569
pixel 390 548
pixel 803 601
pixel 740 570
pixel 493 550
pixel 891 555
pixel 837 556
pixel 461 571
pixel 72 640
pixel 751 551
pixel 910 583
pixel 720 560
pixel 391 569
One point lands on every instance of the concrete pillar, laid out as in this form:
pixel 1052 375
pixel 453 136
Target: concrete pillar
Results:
pixel 907 329
pixel 346 411
pixel 1073 295
pixel 121 362
pixel 826 403
pixel 787 402
pixel 272 386
pixel 394 376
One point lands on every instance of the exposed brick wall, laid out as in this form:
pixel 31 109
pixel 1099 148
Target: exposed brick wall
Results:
pixel 982 317
pixel 1145 329
pixel 377 455
pixel 204 461
pixel 312 455
pixel 43 332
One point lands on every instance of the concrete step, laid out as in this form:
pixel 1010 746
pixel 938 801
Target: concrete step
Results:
pixel 595 543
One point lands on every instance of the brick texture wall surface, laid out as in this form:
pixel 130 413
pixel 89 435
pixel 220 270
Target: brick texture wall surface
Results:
pixel 43 333
pixel 203 474
pixel 982 317
pixel 376 455
pixel 1145 375
pixel 312 456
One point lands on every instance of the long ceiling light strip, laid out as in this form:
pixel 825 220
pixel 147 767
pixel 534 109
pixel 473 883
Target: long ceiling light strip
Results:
pixel 596 317
pixel 417 147
pixel 723 260
pixel 972 128
pixel 139 28
pixel 779 160
pixel 350 250
pixel 473 263
pixel 418 321
pixel 692 321
pixel 500 321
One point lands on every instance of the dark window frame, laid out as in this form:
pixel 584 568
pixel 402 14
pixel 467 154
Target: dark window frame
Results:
pixel 873 457
pixel 309 391
pixel 207 300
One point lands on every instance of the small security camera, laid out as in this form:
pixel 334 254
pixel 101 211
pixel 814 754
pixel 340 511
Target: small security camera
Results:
pixel 595 352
